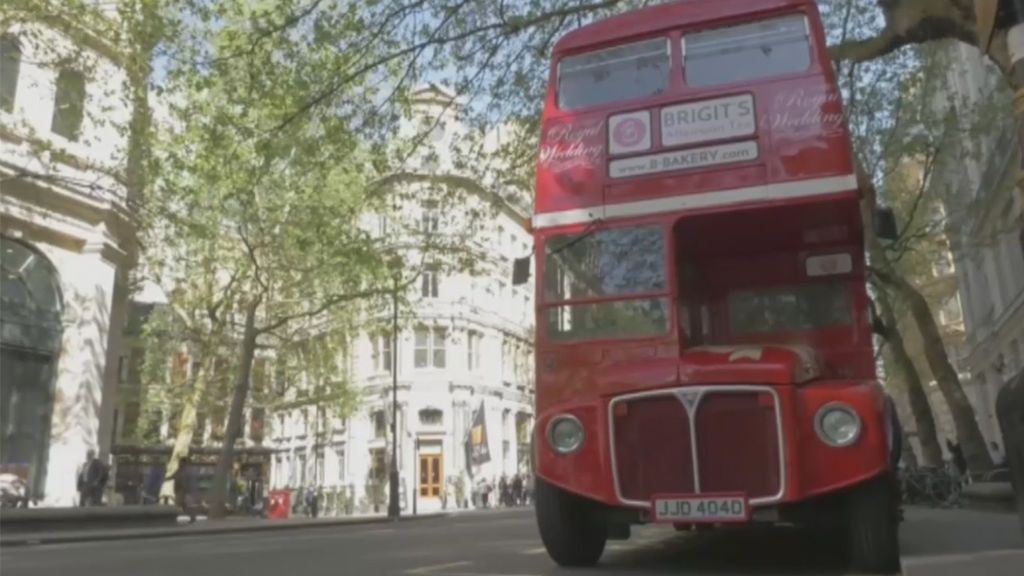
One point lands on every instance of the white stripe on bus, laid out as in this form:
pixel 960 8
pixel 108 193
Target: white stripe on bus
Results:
pixel 781 191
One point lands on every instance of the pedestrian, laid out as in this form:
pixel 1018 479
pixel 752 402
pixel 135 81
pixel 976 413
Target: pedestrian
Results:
pixel 517 490
pixel 151 486
pixel 311 502
pixel 528 489
pixel 92 478
pixel 957 454
pixel 503 491
pixel 99 484
pixel 485 493
pixel 182 488
pixel 82 483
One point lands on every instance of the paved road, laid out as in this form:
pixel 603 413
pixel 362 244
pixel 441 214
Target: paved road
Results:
pixel 496 544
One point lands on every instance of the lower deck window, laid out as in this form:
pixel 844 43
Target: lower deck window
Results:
pixel 598 320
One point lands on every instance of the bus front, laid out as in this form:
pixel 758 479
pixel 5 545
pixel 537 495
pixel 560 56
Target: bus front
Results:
pixel 704 350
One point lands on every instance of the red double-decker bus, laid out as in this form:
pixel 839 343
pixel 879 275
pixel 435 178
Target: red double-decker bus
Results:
pixel 704 343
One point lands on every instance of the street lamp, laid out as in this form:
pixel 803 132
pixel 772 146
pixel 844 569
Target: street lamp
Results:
pixel 394 511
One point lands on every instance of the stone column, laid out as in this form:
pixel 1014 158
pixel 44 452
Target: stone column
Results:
pixel 89 283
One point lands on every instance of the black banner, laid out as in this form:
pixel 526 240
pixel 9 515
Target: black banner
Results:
pixel 476 440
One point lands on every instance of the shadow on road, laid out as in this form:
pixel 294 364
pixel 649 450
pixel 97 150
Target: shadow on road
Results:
pixel 763 552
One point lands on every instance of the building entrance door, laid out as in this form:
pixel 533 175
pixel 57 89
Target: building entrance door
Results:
pixel 431 475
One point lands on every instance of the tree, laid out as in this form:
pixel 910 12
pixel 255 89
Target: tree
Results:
pixel 258 226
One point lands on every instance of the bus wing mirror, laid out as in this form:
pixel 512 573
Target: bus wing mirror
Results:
pixel 885 224
pixel 520 271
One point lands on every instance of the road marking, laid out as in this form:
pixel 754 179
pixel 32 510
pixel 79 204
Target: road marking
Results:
pixel 535 551
pixel 436 567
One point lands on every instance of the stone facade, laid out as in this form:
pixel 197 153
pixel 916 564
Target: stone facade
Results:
pixel 987 233
pixel 465 345
pixel 66 246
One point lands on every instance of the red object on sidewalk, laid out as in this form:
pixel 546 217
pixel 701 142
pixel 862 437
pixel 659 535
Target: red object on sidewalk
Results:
pixel 280 504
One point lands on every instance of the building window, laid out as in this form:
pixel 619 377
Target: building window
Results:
pixel 130 426
pixel 256 419
pixel 943 265
pixel 950 312
pixel 382 359
pixel 341 465
pixel 429 282
pixel 380 424
pixel 1020 239
pixel 122 369
pixel 10 66
pixel 69 104
pixel 430 347
pixel 473 341
pixel 383 225
pixel 300 465
pixel 430 220
pixel 431 417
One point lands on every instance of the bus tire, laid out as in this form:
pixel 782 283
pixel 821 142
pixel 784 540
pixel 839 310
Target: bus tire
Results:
pixel 572 532
pixel 872 516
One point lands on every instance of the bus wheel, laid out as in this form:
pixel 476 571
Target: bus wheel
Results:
pixel 872 516
pixel 572 532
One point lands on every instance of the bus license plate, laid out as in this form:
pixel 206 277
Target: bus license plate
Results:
pixel 704 508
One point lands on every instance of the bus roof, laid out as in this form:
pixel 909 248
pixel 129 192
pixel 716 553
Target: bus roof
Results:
pixel 663 17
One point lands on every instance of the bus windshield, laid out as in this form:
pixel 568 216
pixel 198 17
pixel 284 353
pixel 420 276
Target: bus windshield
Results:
pixel 626 261
pixel 611 262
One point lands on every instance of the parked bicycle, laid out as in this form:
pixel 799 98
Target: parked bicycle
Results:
pixel 933 486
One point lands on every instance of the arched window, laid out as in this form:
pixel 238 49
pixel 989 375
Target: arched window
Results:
pixel 30 297
pixel 30 334
pixel 431 417
pixel 10 66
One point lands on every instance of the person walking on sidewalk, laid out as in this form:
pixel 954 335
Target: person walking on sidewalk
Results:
pixel 312 502
pixel 503 491
pixel 182 488
pixel 92 478
pixel 517 490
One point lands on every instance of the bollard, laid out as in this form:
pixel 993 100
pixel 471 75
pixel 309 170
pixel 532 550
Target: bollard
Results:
pixel 1010 412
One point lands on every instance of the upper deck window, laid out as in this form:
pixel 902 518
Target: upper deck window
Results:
pixel 747 52
pixel 634 70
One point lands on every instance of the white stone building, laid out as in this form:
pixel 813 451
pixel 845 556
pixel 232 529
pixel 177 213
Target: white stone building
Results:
pixel 65 244
pixel 466 344
pixel 987 233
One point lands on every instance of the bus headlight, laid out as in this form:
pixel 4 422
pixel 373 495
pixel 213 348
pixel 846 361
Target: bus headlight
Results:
pixel 837 424
pixel 565 434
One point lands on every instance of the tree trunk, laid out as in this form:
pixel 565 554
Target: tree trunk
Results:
pixel 225 463
pixel 967 430
pixel 931 450
pixel 187 425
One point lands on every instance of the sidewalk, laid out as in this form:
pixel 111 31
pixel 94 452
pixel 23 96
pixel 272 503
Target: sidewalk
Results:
pixel 201 527
pixel 962 542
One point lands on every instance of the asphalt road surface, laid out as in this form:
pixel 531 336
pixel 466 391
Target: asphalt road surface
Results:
pixel 498 544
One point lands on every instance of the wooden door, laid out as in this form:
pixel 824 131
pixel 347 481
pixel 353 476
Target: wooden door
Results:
pixel 431 475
